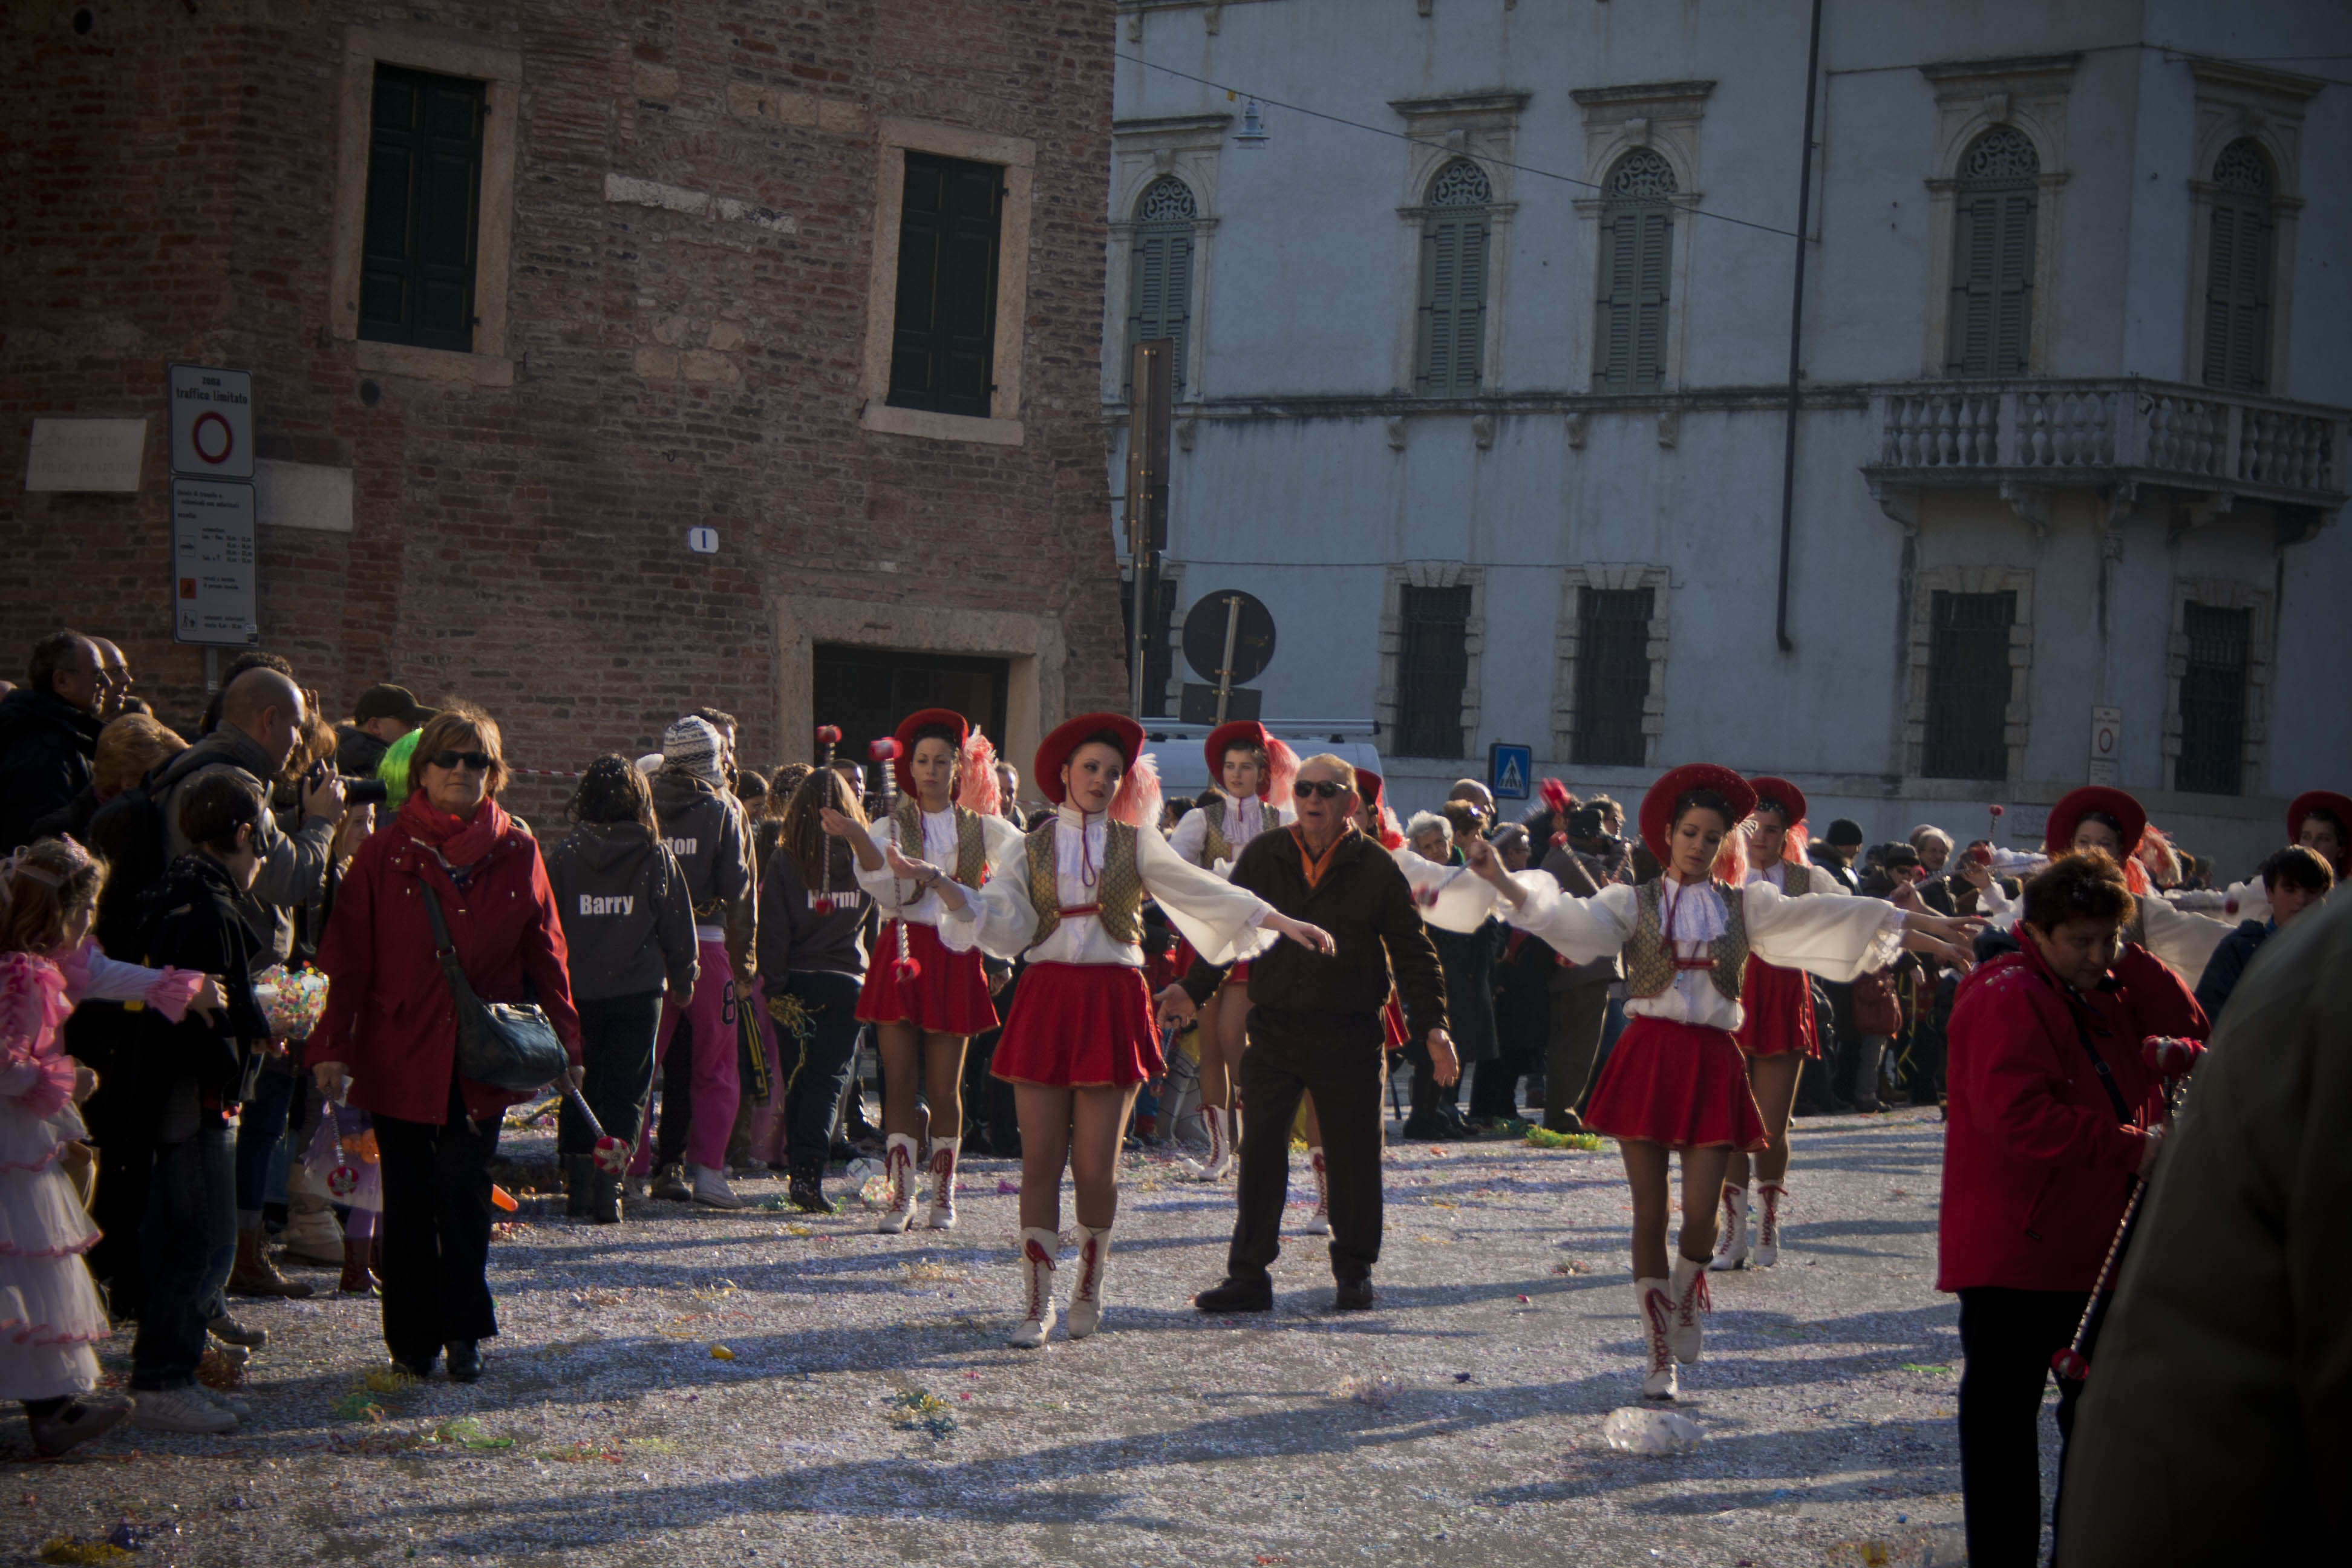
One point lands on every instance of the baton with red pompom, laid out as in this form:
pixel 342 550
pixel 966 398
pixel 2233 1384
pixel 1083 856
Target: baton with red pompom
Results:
pixel 2173 1060
pixel 612 1154
pixel 884 751
pixel 828 737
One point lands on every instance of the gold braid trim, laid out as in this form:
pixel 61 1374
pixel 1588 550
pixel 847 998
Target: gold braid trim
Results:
pixel 1650 957
pixel 1119 895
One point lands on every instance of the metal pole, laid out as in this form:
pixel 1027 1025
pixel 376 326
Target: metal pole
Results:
pixel 1797 332
pixel 1225 670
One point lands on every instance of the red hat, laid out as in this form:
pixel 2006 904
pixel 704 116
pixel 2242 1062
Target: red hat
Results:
pixel 2058 837
pixel 1658 805
pixel 2336 806
pixel 1767 787
pixel 1225 737
pixel 1369 796
pixel 1055 749
pixel 924 718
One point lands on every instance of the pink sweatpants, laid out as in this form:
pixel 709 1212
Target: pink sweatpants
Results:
pixel 717 1089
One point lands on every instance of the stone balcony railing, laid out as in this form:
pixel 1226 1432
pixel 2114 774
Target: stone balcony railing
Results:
pixel 2210 447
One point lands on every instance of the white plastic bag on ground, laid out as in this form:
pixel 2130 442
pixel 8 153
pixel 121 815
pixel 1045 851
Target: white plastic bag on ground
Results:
pixel 1638 1430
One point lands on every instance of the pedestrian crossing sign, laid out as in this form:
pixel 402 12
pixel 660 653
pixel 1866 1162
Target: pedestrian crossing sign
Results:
pixel 1507 768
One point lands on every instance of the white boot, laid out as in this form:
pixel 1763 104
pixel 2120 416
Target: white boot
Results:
pixel 1770 1196
pixel 1087 1295
pixel 711 1188
pixel 1731 1247
pixel 1219 1161
pixel 1656 1312
pixel 898 1170
pixel 944 1168
pixel 1037 1247
pixel 1319 1221
pixel 1688 1295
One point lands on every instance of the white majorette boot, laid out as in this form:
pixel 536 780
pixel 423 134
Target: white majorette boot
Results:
pixel 1688 1295
pixel 943 1167
pixel 1731 1247
pixel 1037 1247
pixel 1656 1312
pixel 1319 1221
pixel 898 1170
pixel 1219 1161
pixel 1770 1196
pixel 1087 1295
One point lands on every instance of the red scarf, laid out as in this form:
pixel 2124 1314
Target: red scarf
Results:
pixel 456 840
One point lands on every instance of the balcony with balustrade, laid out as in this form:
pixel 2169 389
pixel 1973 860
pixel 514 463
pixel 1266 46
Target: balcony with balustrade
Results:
pixel 2122 438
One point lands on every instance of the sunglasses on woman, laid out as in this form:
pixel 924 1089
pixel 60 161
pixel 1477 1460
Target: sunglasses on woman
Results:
pixel 1321 789
pixel 479 761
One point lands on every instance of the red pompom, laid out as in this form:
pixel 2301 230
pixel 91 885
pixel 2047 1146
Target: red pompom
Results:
pixel 884 750
pixel 1556 796
pixel 828 734
pixel 612 1156
pixel 1559 840
pixel 1981 855
pixel 2071 1364
pixel 2170 1057
pixel 907 971
pixel 1997 811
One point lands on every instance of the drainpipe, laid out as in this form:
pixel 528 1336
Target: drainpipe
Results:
pixel 1797 329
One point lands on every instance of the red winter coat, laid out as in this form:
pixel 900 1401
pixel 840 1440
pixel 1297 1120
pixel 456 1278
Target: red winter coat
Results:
pixel 389 1018
pixel 2037 1168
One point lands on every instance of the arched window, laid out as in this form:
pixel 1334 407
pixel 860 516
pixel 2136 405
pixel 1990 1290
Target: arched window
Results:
pixel 2238 270
pixel 1454 281
pixel 1637 238
pixel 1159 284
pixel 1992 256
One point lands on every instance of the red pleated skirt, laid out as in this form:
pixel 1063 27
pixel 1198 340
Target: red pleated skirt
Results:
pixel 1677 1084
pixel 950 997
pixel 1079 1026
pixel 1185 958
pixel 1778 1004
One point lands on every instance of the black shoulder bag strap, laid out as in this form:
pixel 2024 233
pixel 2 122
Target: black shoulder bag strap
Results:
pixel 460 989
pixel 2083 1034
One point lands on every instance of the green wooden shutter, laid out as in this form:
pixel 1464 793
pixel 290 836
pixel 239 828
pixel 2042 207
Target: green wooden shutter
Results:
pixel 1613 325
pixel 1453 277
pixel 422 232
pixel 1652 244
pixel 1160 293
pixel 1990 329
pixel 2237 298
pixel 943 346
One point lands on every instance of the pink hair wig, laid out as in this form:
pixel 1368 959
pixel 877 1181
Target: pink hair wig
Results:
pixel 978 791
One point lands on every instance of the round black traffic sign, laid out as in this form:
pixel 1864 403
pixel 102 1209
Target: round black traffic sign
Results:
pixel 1205 636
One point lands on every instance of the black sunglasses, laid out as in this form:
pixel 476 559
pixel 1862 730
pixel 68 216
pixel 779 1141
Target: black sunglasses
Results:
pixel 1321 789
pixel 479 761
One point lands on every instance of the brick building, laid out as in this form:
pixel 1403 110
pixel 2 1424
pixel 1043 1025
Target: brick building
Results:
pixel 530 290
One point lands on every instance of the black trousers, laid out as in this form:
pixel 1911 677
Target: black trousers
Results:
pixel 812 1071
pixel 436 1231
pixel 676 1097
pixel 616 1047
pixel 1578 1015
pixel 2008 1337
pixel 1336 1056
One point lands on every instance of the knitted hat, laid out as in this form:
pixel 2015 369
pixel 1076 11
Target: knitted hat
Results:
pixel 692 746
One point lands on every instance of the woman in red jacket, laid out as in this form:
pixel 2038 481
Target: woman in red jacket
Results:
pixel 391 1028
pixel 2053 1115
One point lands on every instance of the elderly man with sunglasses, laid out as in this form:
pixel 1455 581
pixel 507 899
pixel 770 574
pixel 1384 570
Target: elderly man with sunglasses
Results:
pixel 1315 1028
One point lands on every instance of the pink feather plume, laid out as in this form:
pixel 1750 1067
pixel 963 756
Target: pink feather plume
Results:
pixel 1137 802
pixel 1282 772
pixel 978 791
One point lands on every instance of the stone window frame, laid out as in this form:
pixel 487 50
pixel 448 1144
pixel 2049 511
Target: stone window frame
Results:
pixel 896 137
pixel 1143 152
pixel 2017 720
pixel 2223 594
pixel 1482 127
pixel 1431 574
pixel 1663 117
pixel 488 362
pixel 1972 97
pixel 2238 103
pixel 1568 638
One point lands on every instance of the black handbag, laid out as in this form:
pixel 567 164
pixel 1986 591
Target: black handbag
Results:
pixel 506 1045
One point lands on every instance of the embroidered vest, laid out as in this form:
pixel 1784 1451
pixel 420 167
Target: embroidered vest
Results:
pixel 1802 876
pixel 1650 957
pixel 1119 895
pixel 971 849
pixel 1213 812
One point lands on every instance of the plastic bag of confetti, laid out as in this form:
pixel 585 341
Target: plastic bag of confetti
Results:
pixel 1634 1430
pixel 1379 1392
pixel 292 999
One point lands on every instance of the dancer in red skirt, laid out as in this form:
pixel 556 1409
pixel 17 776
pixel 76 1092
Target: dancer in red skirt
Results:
pixel 924 1017
pixel 1676 1082
pixel 1777 1032
pixel 1252 773
pixel 1080 1039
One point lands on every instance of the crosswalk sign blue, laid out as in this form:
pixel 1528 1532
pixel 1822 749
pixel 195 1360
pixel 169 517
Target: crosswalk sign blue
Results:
pixel 1508 769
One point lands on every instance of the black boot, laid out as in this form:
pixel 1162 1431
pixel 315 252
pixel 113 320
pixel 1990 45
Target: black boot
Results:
pixel 807 1190
pixel 578 1170
pixel 603 1195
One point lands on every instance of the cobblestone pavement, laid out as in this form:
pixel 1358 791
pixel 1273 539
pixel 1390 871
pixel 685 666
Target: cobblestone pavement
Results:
pixel 866 1411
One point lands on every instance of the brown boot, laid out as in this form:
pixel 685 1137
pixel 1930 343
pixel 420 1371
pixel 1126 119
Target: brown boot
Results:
pixel 358 1279
pixel 254 1274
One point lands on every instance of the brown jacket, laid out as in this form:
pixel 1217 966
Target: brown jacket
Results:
pixel 1364 901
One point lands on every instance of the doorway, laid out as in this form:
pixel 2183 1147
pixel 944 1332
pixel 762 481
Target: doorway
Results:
pixel 867 691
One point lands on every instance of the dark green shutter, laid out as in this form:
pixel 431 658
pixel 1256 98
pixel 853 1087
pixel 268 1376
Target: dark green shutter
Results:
pixel 1452 303
pixel 1613 674
pixel 2213 698
pixel 1159 294
pixel 2237 298
pixel 1630 324
pixel 1992 283
pixel 943 352
pixel 423 210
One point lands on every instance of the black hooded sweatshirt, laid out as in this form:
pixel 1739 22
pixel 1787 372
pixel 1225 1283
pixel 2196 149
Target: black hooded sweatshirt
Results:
pixel 626 920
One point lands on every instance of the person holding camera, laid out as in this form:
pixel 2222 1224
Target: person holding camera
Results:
pixel 391 1025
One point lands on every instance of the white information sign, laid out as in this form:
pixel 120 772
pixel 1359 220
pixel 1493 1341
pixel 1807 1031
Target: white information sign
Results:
pixel 211 563
pixel 86 454
pixel 2106 744
pixel 212 422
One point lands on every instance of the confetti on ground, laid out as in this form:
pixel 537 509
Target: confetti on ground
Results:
pixel 1379 1392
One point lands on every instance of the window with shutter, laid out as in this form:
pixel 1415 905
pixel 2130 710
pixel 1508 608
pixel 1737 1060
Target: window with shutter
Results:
pixel 423 210
pixel 943 347
pixel 1992 262
pixel 1160 281
pixel 1454 282
pixel 1432 667
pixel 2238 272
pixel 1637 228
pixel 2213 698
pixel 1612 673
pixel 1967 685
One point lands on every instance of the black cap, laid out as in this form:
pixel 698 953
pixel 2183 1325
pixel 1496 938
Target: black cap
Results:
pixel 1845 833
pixel 390 702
